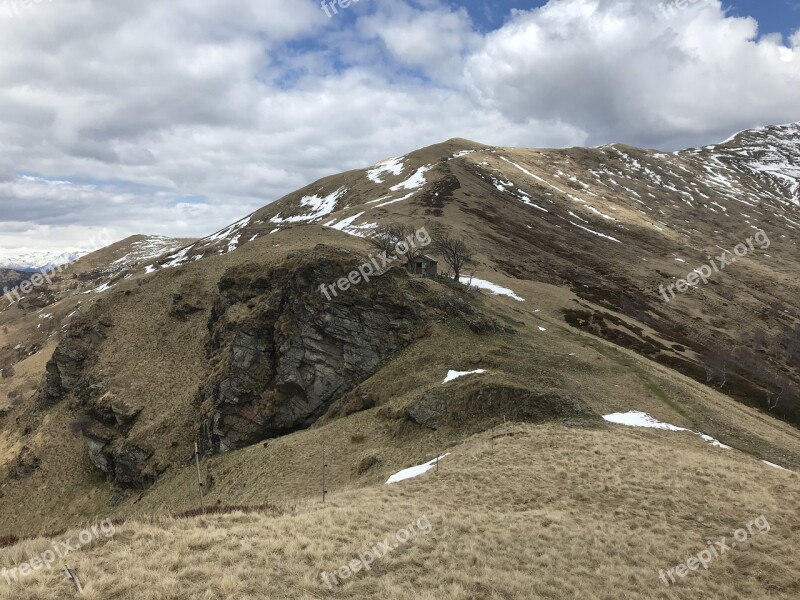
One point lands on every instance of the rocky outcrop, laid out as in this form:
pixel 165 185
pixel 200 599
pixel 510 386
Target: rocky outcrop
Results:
pixel 283 353
pixel 281 356
pixel 473 405
pixel 106 419
pixel 65 371
pixel 114 412
pixel 181 309
pixel 123 462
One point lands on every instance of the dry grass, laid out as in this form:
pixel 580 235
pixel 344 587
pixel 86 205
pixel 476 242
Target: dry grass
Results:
pixel 551 512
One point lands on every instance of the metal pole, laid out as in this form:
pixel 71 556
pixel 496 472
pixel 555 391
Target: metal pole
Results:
pixel 73 577
pixel 199 478
pixel 324 477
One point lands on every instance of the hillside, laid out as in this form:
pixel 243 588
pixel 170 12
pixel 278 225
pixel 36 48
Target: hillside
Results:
pixel 139 351
pixel 10 278
pixel 548 512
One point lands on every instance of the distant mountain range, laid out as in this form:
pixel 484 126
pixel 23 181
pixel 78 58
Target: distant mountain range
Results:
pixel 37 260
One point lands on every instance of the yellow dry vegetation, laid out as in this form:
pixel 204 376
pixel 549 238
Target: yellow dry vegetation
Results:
pixel 549 512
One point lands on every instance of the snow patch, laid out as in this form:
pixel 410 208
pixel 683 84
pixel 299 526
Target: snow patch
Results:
pixel 391 165
pixel 640 419
pixel 491 287
pixel 766 462
pixel 452 375
pixel 412 472
pixel 319 207
pixel 416 181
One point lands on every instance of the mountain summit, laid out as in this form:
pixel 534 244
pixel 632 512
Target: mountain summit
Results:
pixel 605 287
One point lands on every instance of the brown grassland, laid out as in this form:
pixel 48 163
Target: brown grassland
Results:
pixel 549 512
pixel 565 507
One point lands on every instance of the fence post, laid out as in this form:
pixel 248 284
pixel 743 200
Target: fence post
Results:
pixel 199 478
pixel 324 477
pixel 73 577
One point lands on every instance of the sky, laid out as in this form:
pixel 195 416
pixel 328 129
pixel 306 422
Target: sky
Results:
pixel 177 118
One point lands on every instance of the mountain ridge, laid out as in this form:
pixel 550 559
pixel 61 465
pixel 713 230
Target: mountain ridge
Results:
pixel 149 346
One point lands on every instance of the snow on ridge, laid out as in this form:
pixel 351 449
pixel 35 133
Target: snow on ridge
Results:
pixel 346 226
pixel 598 234
pixel 150 247
pixel 229 233
pixel 461 154
pixel 766 462
pixel 388 202
pixel 175 260
pixel 412 472
pixel 320 207
pixel 39 260
pixel 391 165
pixel 635 418
pixel 417 180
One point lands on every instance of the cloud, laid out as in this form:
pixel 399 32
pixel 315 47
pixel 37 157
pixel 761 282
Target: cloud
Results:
pixel 113 113
pixel 621 71
pixel 433 39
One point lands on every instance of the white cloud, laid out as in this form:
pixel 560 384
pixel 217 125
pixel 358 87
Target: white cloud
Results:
pixel 621 71
pixel 433 39
pixel 242 101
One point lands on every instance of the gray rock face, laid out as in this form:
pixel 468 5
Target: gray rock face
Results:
pixel 122 461
pixel 283 353
pixel 65 370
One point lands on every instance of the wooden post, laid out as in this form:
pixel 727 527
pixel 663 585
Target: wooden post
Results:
pixel 73 577
pixel 324 477
pixel 199 478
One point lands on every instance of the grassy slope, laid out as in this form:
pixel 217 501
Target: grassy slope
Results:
pixel 551 512
pixel 66 489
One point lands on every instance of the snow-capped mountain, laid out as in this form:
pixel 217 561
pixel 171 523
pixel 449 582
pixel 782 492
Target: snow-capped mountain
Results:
pixel 37 260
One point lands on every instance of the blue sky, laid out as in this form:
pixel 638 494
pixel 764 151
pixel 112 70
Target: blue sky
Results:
pixel 178 118
pixel 773 15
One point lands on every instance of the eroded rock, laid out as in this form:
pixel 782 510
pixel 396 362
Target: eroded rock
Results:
pixel 283 353
pixel 65 370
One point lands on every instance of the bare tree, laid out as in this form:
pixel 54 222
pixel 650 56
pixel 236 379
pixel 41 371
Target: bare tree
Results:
pixel 772 403
pixel 793 348
pixel 397 239
pixel 386 237
pixel 716 364
pixel 408 245
pixel 455 251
